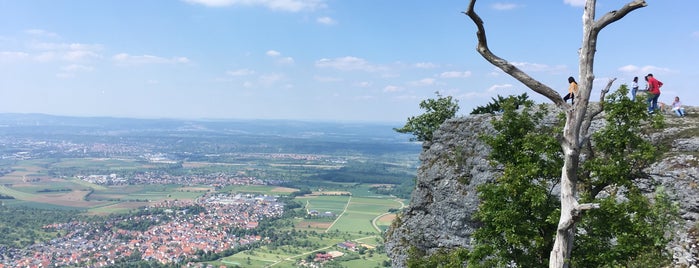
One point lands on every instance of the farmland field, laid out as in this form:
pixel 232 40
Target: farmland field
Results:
pixel 354 222
pixel 97 167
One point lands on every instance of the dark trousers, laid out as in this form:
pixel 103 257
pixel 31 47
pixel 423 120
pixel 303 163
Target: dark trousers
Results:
pixel 570 96
pixel 653 102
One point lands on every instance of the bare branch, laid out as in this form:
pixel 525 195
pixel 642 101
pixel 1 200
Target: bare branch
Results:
pixel 505 65
pixel 616 15
pixel 604 92
pixel 594 111
pixel 586 206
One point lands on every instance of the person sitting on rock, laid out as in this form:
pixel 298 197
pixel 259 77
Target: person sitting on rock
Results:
pixel 677 107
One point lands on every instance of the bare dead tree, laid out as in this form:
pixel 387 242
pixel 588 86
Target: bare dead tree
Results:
pixel 574 134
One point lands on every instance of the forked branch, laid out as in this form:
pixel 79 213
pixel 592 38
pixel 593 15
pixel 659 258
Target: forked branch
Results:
pixel 505 65
pixel 594 112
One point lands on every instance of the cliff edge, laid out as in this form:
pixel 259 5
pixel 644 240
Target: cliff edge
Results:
pixel 455 163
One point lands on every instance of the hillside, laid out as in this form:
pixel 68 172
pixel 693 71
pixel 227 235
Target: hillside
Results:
pixel 439 214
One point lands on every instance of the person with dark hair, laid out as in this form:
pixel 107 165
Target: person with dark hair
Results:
pixel 572 90
pixel 677 107
pixel 634 88
pixel 647 86
pixel 653 93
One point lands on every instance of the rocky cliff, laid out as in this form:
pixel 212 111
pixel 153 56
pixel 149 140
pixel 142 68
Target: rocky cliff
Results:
pixel 455 162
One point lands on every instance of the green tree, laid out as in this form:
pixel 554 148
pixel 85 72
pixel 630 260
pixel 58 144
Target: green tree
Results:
pixel 576 129
pixel 496 105
pixel 436 112
pixel 516 210
pixel 628 229
pixel 443 258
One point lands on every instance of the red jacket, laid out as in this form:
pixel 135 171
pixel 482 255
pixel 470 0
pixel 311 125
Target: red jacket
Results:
pixel 654 85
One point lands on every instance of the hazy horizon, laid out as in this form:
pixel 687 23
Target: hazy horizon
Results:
pixel 317 60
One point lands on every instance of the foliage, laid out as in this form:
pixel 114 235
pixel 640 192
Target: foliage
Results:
pixel 628 233
pixel 23 226
pixel 627 228
pixel 517 208
pixel 620 152
pixel 443 258
pixel 436 112
pixel 496 105
pixel 518 212
pixel 365 172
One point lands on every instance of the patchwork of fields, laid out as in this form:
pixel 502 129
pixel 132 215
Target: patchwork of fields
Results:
pixel 358 215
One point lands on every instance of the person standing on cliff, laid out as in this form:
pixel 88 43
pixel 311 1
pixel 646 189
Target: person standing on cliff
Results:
pixel 572 90
pixel 653 93
pixel 634 88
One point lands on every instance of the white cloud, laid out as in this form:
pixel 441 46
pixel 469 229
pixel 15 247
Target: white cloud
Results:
pixel 391 88
pixel 407 97
pixel 281 5
pixel 635 70
pixel 654 69
pixel 273 53
pixel 455 74
pixel 269 79
pixel 240 72
pixel 66 51
pixel 575 3
pixel 65 75
pixel 327 79
pixel 13 55
pixel 422 82
pixel 124 58
pixel 70 71
pixel 286 60
pixel 348 64
pixel 326 21
pixel 364 97
pixel 45 56
pixel 504 6
pixel 496 88
pixel 629 68
pixel 76 68
pixel 363 84
pixel 473 95
pixel 65 46
pixel 76 55
pixel 502 89
pixel 538 67
pixel 40 33
pixel 425 65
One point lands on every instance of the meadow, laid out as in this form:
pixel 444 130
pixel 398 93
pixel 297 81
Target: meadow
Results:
pixel 355 221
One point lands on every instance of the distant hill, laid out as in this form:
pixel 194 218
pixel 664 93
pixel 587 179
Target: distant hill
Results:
pixel 297 136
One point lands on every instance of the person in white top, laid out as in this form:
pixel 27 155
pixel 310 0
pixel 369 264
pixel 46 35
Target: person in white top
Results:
pixel 677 107
pixel 634 88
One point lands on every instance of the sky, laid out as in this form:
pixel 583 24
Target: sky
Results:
pixel 319 60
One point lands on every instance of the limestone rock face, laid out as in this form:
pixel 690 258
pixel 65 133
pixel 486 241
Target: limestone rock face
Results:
pixel 455 163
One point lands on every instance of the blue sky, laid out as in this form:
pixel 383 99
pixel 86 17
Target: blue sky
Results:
pixel 326 60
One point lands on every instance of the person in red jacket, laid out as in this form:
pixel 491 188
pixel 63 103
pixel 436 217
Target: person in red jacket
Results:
pixel 653 93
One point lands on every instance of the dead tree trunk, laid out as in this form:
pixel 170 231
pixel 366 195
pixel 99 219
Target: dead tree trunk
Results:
pixel 574 135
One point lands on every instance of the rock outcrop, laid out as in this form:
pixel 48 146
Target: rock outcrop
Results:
pixel 455 163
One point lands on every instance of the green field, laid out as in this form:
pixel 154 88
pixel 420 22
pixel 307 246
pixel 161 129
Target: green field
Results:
pixel 353 221
pixel 100 163
pixel 354 224
pixel 334 204
pixel 258 189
